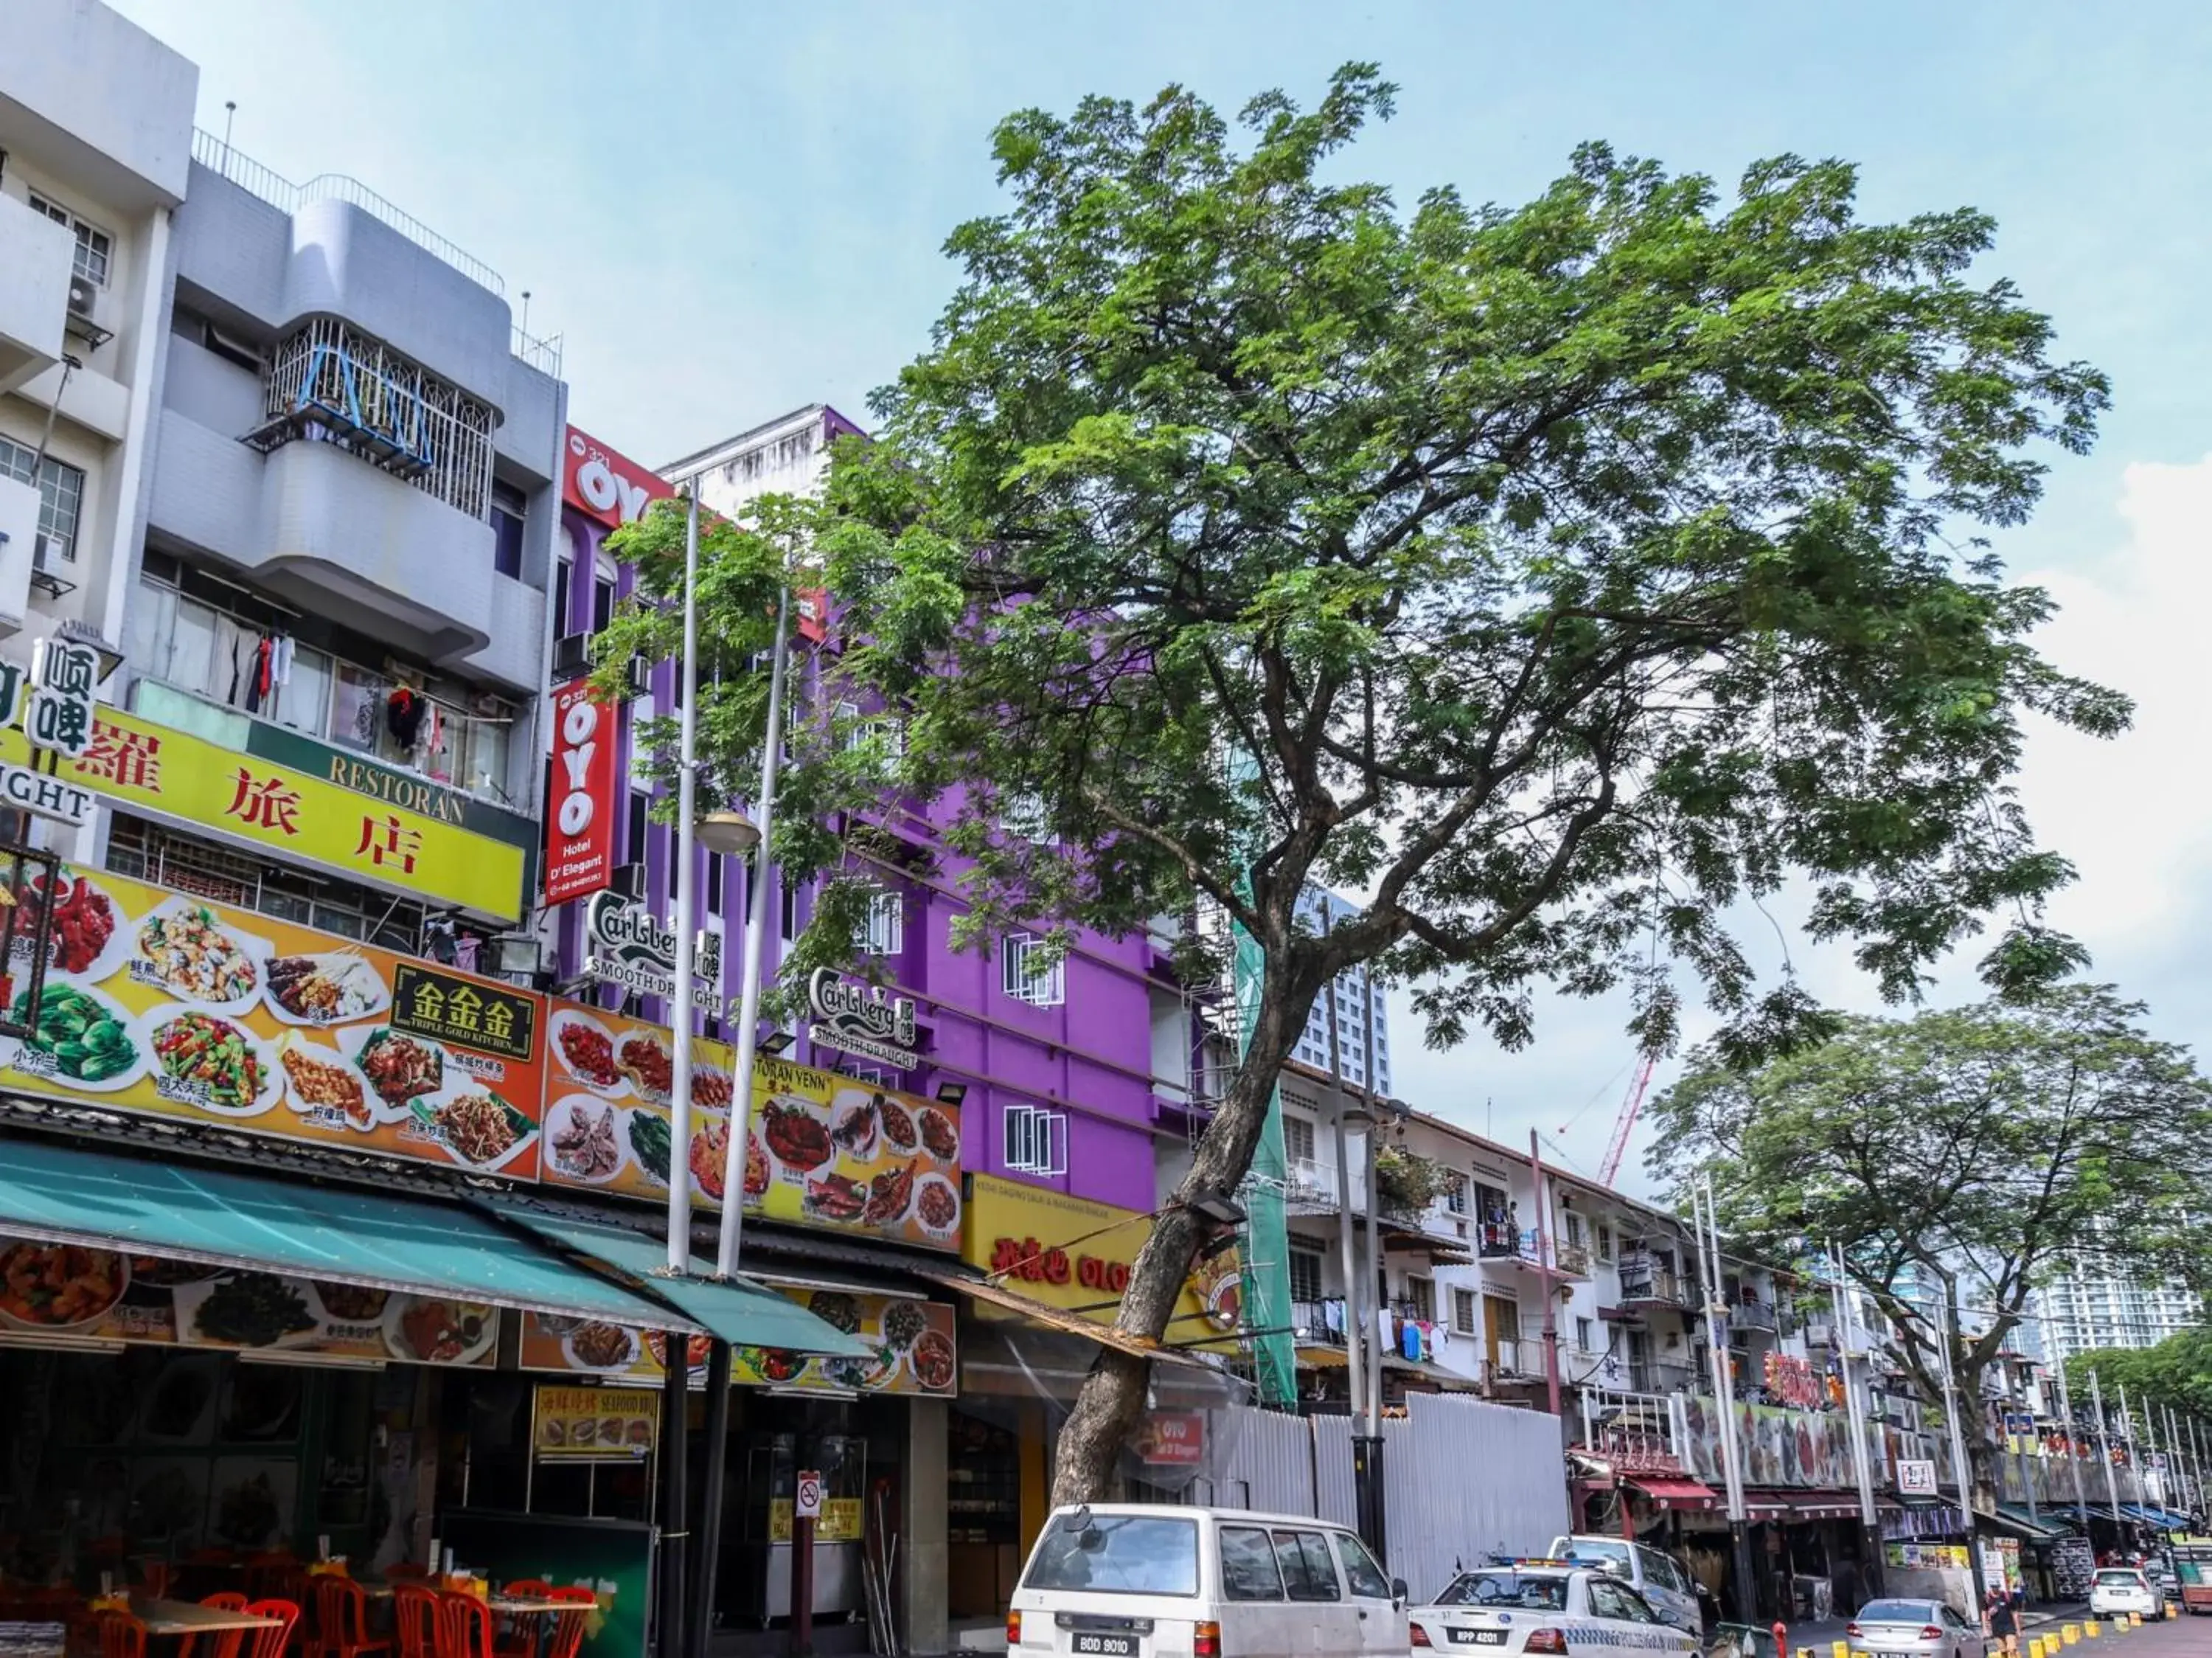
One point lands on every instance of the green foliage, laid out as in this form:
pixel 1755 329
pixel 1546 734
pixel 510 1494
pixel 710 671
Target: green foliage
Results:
pixel 1406 1181
pixel 2176 1373
pixel 1958 1157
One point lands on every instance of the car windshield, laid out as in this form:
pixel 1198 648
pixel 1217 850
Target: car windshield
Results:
pixel 1117 1554
pixel 1505 1589
pixel 1898 1612
pixel 1593 1551
pixel 2117 1579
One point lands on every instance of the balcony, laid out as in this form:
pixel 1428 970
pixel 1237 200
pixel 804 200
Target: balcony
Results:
pixel 1309 1323
pixel 37 259
pixel 1572 1260
pixel 1310 1187
pixel 1644 1283
pixel 1663 1376
pixel 1755 1315
pixel 1819 1331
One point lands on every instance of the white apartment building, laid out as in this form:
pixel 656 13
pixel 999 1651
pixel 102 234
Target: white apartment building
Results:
pixel 2094 1307
pixel 95 153
pixel 1354 997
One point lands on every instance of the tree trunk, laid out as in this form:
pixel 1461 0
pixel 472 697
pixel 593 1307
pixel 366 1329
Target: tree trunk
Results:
pixel 1113 1395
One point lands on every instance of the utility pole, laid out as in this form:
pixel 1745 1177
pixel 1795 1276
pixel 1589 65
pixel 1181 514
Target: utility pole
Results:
pixel 1354 1330
pixel 1951 1411
pixel 1855 1408
pixel 1367 1448
pixel 2174 1454
pixel 2105 1447
pixel 1709 1269
pixel 1544 1272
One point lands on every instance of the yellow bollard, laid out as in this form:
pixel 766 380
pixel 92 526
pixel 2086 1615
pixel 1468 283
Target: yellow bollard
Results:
pixel 2092 1629
pixel 1841 1649
pixel 2072 1632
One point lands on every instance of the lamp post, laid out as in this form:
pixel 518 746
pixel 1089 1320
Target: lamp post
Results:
pixel 679 1018
pixel 1855 1408
pixel 1951 1413
pixel 1709 1269
pixel 742 833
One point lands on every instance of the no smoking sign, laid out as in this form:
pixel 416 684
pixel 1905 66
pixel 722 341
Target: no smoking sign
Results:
pixel 808 1503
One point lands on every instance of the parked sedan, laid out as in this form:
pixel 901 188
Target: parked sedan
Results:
pixel 1914 1629
pixel 2125 1589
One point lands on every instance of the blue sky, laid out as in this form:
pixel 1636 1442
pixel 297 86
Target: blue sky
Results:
pixel 728 211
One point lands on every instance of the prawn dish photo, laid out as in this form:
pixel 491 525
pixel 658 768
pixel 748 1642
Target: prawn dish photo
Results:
pixel 889 1195
pixel 710 1151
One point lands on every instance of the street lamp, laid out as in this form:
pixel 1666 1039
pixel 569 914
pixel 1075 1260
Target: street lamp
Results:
pixel 729 832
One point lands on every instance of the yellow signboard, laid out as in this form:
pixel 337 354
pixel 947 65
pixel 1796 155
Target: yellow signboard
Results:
pixel 594 1421
pixel 1073 1253
pixel 370 838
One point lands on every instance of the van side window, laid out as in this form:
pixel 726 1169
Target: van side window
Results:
pixel 1308 1572
pixel 1360 1570
pixel 1247 1565
pixel 1658 1570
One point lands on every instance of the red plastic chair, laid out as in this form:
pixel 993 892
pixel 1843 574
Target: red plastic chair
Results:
pixel 225 1642
pixel 415 1618
pixel 569 1627
pixel 463 1627
pixel 269 1641
pixel 342 1621
pixel 290 1584
pixel 121 1636
pixel 520 1639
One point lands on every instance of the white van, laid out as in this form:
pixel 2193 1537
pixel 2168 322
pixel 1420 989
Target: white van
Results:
pixel 1664 1582
pixel 1141 1580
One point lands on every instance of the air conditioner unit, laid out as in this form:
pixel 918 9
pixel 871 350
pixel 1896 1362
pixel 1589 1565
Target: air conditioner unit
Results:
pixel 572 655
pixel 629 880
pixel 46 552
pixel 84 298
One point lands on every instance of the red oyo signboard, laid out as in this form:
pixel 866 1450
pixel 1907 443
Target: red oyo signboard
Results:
pixel 604 485
pixel 580 817
pixel 1171 1439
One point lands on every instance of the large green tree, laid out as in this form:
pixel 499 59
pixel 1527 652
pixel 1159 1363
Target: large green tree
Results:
pixel 2177 1372
pixel 1560 576
pixel 1958 1157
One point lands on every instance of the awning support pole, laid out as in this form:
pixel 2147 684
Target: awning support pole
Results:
pixel 706 1558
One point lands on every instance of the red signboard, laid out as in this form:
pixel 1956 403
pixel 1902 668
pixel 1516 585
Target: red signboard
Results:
pixel 1171 1439
pixel 580 817
pixel 611 488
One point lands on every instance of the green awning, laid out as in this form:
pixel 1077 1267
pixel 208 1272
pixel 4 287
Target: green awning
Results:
pixel 740 1311
pixel 2014 1517
pixel 253 1223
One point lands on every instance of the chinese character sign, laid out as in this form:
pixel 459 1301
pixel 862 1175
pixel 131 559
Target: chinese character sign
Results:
pixel 59 714
pixel 163 1003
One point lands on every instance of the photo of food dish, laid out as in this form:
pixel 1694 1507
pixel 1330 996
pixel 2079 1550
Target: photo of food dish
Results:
pixel 186 948
pixel 852 1122
pixel 932 1360
pixel 431 1329
pixel 587 1048
pixel 757 1172
pixel 794 1132
pixel 937 1205
pixel 645 1060
pixel 60 1286
pixel 838 1199
pixel 320 1079
pixel 155 1272
pixel 940 1138
pixel 400 1067
pixel 770 1364
pixel 836 1308
pixel 890 1194
pixel 711 1088
pixel 351 1303
pixel 857 1374
pixel 476 1125
pixel 696 1351
pixel 79 1036
pixel 246 1309
pixel 584 1140
pixel 211 1062
pixel 328 989
pixel 899 1131
pixel 603 1347
pixel 651 1144
pixel 903 1322
pixel 709 1158
pixel 88 937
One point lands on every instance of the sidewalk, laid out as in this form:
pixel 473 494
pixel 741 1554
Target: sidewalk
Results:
pixel 1821 1636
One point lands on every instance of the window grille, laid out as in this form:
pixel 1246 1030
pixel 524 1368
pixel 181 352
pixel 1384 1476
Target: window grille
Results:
pixel 1031 975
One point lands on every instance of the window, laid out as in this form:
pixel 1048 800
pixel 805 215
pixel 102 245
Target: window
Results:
pixel 882 931
pixel 1456 1194
pixel 1610 1600
pixel 1463 1312
pixel 1604 1241
pixel 1297 1139
pixel 1305 1274
pixel 1504 1317
pixel 1035 1141
pixel 94 245
pixel 61 491
pixel 564 574
pixel 1584 1336
pixel 1421 1296
pixel 633 845
pixel 603 602
pixel 1118 1554
pixel 787 910
pixel 716 876
pixel 1506 1589
pixel 1573 1222
pixel 510 507
pixel 1022 815
pixel 1031 974
pixel 1247 1565
pixel 1308 1572
pixel 1360 1570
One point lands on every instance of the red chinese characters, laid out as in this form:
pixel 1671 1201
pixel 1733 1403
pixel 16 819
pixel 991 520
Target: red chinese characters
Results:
pixel 130 759
pixel 264 803
pixel 389 843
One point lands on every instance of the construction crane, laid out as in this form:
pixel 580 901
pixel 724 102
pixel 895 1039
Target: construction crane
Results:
pixel 1629 1108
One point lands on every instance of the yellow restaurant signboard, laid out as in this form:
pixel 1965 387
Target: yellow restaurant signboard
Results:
pixel 597 1423
pixel 356 818
pixel 1073 1253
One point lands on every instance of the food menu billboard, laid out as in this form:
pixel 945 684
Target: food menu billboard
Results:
pixel 166 1004
pixel 913 1347
pixel 824 1151
pixel 106 1295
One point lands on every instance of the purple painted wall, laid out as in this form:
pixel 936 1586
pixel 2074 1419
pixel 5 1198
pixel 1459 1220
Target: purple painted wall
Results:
pixel 1089 1059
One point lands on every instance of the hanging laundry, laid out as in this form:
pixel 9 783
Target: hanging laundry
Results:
pixel 1409 1341
pixel 403 715
pixel 1442 1335
pixel 282 665
pixel 1333 1315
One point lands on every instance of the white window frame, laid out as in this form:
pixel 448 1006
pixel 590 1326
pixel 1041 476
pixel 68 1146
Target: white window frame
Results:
pixel 882 932
pixel 1414 1296
pixel 92 241
pixel 1033 1140
pixel 1292 1127
pixel 60 487
pixel 1306 1257
pixel 1457 1200
pixel 1022 816
pixel 1027 977
pixel 1467 1312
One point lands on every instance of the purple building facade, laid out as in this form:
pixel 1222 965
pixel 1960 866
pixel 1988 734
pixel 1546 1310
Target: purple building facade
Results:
pixel 1073 1074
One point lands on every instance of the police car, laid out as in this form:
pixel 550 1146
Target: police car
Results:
pixel 1543 1606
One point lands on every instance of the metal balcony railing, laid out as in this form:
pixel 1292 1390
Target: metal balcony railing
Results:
pixel 1753 1315
pixel 1573 1259
pixel 1661 1376
pixel 272 186
pixel 1309 1323
pixel 1645 1283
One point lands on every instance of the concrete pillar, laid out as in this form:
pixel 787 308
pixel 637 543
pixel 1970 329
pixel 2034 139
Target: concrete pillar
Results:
pixel 923 1522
